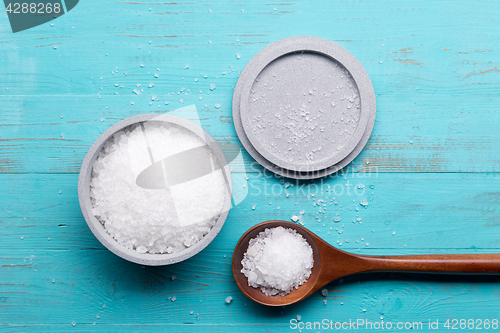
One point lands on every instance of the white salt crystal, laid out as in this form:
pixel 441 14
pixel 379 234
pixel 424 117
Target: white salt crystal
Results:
pixel 277 261
pixel 254 249
pixel 174 299
pixel 228 299
pixel 299 317
pixel 295 218
pixel 324 292
pixel 146 220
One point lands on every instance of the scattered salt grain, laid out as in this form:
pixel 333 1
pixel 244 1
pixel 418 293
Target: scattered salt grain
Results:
pixel 228 299
pixel 277 261
pixel 324 292
pixel 299 317
pixel 295 218
pixel 174 299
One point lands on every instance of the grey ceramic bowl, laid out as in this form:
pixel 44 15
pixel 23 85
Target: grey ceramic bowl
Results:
pixel 98 229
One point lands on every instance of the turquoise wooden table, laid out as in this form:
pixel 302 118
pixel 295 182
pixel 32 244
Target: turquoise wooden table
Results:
pixel 430 172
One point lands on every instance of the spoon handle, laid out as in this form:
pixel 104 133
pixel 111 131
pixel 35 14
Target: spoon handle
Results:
pixel 437 263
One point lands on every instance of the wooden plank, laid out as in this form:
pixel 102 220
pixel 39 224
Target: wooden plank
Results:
pixel 426 211
pixel 93 283
pixel 429 138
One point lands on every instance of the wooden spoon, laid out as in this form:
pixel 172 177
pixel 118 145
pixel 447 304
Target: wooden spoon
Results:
pixel 331 263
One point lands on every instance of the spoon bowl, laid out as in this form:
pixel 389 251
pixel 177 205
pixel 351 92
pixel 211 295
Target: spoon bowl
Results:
pixel 331 264
pixel 322 251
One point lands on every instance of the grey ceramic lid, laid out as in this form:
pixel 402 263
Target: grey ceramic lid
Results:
pixel 304 107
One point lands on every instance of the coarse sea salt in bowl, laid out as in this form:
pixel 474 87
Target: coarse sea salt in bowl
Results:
pixel 155 189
